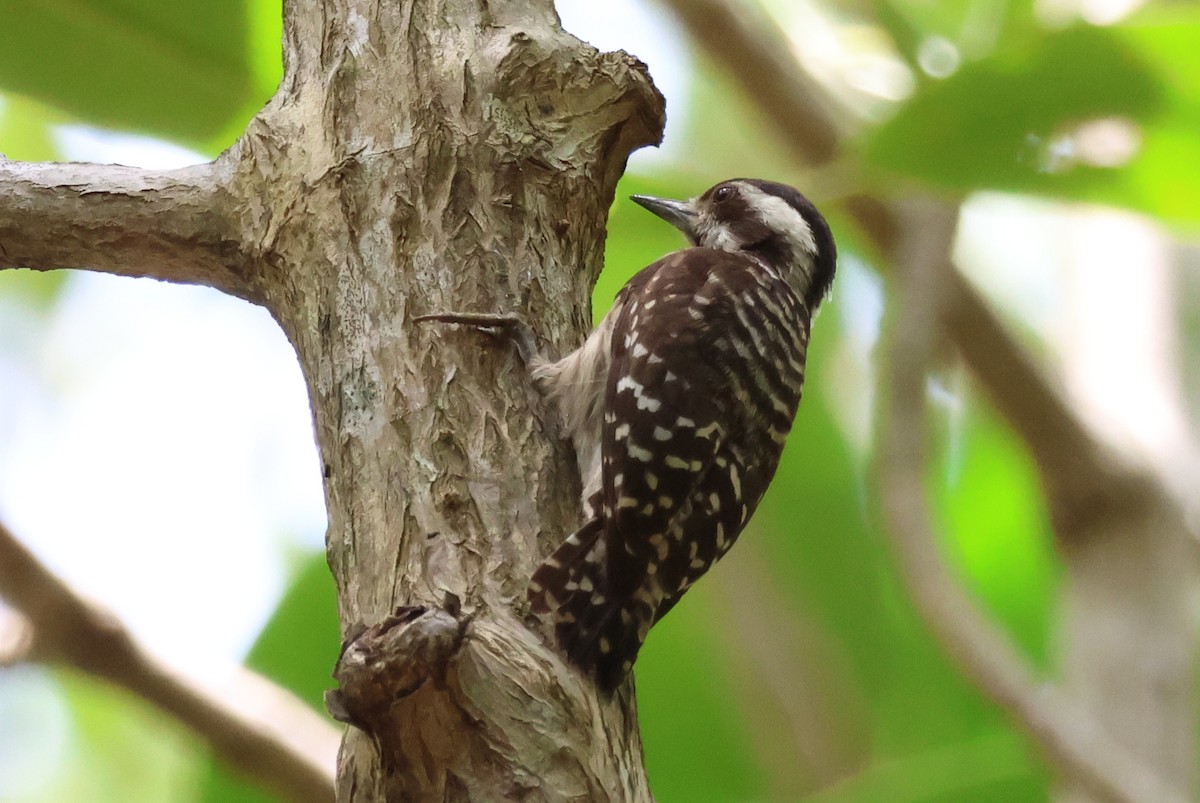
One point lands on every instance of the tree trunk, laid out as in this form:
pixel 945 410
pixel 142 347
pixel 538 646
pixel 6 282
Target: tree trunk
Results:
pixel 419 156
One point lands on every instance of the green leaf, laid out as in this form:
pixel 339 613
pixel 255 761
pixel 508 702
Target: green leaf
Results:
pixel 300 644
pixel 972 28
pixel 694 736
pixel 818 526
pixel 182 71
pixel 32 291
pixel 998 535
pixel 125 749
pixel 26 129
pixel 1006 123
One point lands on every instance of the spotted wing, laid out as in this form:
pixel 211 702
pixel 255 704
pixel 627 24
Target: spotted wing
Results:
pixel 683 463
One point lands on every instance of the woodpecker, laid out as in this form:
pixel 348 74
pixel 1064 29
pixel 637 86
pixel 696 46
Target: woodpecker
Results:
pixel 678 405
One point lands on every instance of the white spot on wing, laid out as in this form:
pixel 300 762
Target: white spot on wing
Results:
pixel 647 403
pixel 629 383
pixel 638 453
pixel 660 545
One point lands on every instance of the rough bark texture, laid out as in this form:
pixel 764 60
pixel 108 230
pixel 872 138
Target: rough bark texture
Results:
pixel 420 156
pixel 424 156
pixel 169 224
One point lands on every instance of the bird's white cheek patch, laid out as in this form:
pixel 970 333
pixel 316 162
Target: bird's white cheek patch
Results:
pixel 712 234
pixel 778 215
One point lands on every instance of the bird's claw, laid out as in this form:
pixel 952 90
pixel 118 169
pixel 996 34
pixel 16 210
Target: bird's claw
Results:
pixel 507 324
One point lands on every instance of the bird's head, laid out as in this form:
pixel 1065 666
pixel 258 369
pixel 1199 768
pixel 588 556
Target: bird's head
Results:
pixel 765 219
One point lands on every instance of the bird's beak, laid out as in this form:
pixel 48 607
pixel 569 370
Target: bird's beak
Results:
pixel 680 214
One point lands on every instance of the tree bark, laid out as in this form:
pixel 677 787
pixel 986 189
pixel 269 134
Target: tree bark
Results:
pixel 419 156
pixel 177 225
pixel 463 156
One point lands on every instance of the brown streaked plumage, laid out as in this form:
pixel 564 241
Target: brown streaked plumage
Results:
pixel 679 405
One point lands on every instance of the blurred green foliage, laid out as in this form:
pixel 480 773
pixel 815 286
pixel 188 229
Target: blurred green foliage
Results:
pixel 858 675
pixel 928 734
pixel 182 71
pixel 1018 109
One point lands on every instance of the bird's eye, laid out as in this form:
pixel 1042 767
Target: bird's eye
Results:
pixel 723 194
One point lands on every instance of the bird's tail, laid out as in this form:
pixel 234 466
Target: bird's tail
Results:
pixel 599 626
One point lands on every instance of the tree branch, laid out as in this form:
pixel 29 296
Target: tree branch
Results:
pixel 286 746
pixel 174 225
pixel 1067 734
